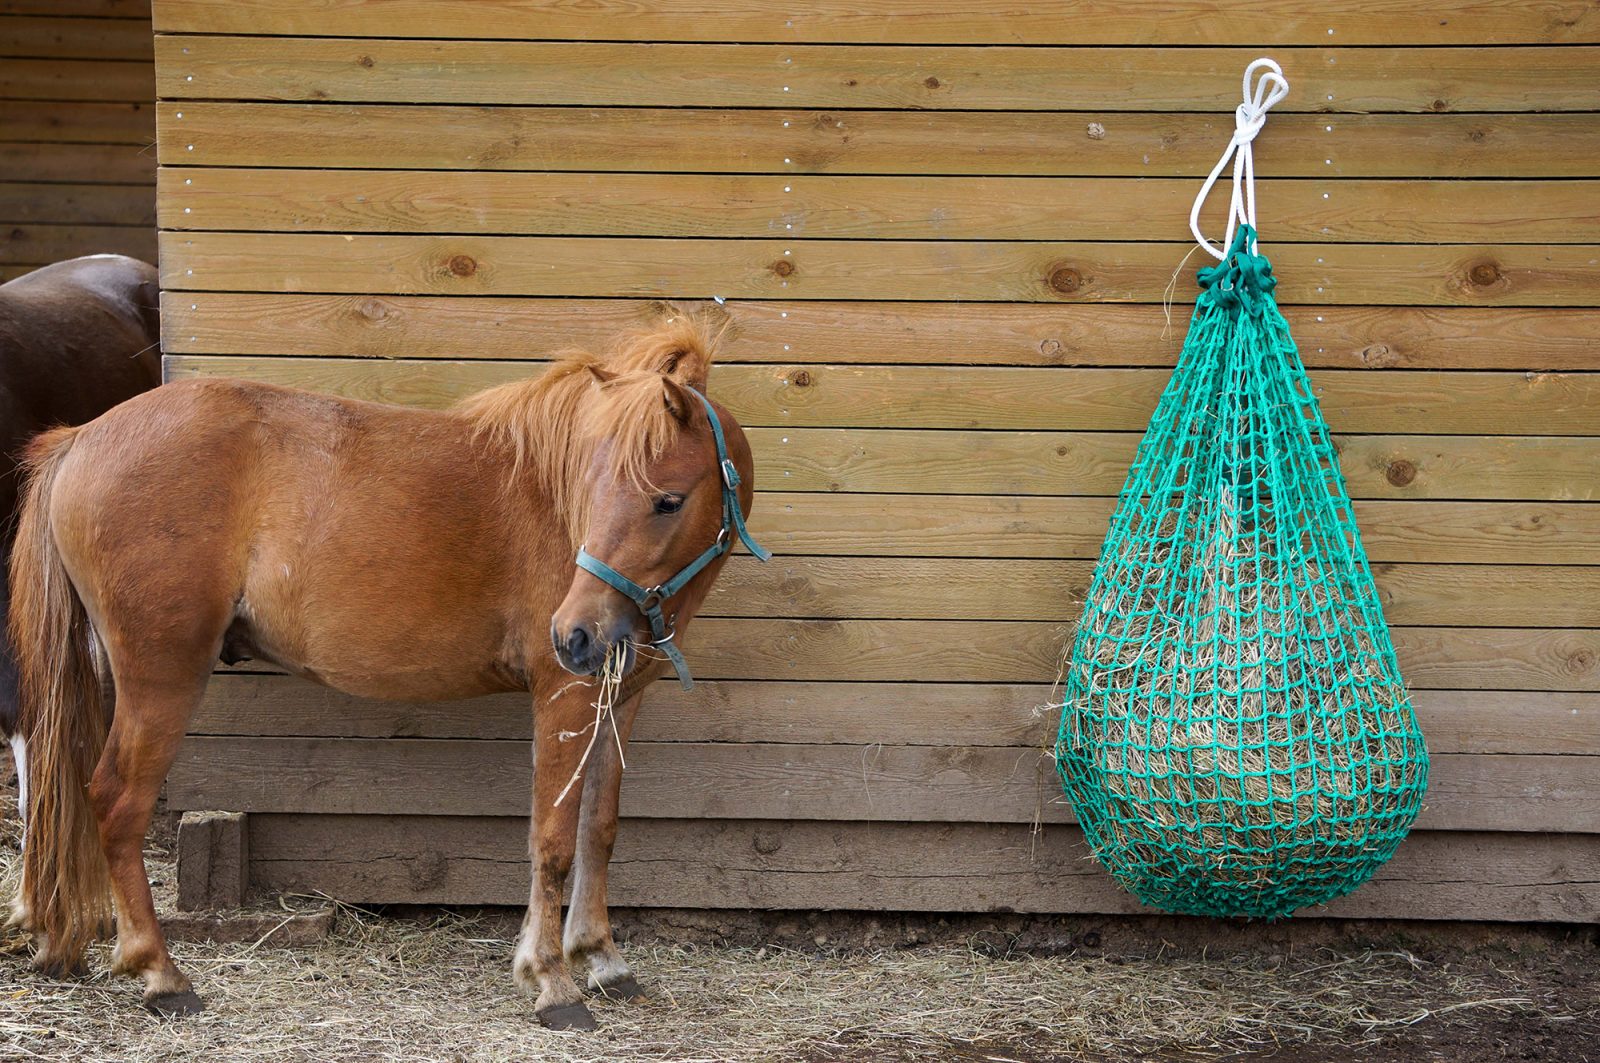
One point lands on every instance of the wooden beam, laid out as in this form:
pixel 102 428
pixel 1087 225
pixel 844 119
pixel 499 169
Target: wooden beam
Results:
pixel 879 867
pixel 1184 22
pixel 114 164
pixel 94 80
pixel 819 395
pixel 858 783
pixel 877 269
pixel 957 714
pixel 996 78
pixel 1085 143
pixel 1020 334
pixel 37 37
pixel 39 244
pixel 81 123
pixel 809 207
pixel 68 204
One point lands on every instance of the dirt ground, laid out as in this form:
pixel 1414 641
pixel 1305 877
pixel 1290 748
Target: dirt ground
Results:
pixel 433 985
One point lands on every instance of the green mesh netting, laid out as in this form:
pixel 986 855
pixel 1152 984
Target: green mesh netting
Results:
pixel 1235 736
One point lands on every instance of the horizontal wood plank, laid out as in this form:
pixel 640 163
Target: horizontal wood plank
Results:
pixel 878 867
pixel 68 204
pixel 1060 271
pixel 1182 22
pixel 867 142
pixel 957 714
pixel 35 244
pixel 78 123
pixel 39 37
pixel 1509 78
pixel 811 395
pixel 114 164
pixel 869 783
pixel 804 206
pixel 1016 651
pixel 857 332
pixel 102 80
pixel 906 462
pixel 1518 533
pixel 135 9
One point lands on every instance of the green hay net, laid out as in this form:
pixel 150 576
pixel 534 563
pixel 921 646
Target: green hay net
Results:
pixel 1235 736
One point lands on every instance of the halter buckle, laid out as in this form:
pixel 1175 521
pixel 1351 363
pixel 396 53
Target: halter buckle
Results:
pixel 652 599
pixel 730 474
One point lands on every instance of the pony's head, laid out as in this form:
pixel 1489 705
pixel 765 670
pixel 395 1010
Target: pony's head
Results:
pixel 653 501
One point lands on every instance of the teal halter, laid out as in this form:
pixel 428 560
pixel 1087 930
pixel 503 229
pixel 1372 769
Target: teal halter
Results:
pixel 651 599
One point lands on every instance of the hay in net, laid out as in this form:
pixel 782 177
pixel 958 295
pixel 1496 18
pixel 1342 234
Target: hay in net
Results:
pixel 1235 735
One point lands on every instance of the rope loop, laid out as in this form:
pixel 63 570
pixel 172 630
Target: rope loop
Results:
pixel 1260 95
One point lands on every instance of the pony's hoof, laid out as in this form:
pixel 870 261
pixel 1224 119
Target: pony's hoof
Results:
pixel 625 988
pixel 175 1005
pixel 59 968
pixel 567 1017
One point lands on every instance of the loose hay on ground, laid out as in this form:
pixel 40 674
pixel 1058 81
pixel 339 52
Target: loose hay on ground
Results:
pixel 439 989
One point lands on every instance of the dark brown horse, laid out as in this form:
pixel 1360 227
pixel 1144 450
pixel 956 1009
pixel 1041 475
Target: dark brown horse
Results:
pixel 76 338
pixel 386 552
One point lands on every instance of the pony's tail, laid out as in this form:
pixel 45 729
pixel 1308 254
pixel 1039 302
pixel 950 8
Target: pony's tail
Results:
pixel 65 884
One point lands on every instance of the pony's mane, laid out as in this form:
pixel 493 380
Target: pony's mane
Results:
pixel 552 424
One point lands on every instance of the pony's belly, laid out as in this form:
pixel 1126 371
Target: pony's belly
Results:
pixel 371 660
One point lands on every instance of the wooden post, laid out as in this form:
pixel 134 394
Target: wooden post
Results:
pixel 213 860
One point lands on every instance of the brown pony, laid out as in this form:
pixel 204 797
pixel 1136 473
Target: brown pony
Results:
pixel 385 552
pixel 76 338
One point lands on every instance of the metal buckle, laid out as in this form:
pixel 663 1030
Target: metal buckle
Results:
pixel 652 599
pixel 722 538
pixel 730 474
pixel 672 633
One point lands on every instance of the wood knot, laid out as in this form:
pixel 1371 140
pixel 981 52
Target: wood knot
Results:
pixel 1478 136
pixel 850 82
pixel 1439 105
pixel 1580 662
pixel 1484 274
pixel 373 310
pixel 1379 356
pixel 766 842
pixel 1061 451
pixel 427 870
pixel 365 61
pixel 1096 131
pixel 1051 349
pixel 783 267
pixel 1065 279
pixel 1400 472
pixel 462 265
pixel 932 83
pixel 800 378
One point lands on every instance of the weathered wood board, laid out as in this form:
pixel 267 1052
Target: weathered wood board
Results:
pixel 77 132
pixel 943 237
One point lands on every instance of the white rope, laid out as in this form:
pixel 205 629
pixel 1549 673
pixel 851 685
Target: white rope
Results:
pixel 1248 119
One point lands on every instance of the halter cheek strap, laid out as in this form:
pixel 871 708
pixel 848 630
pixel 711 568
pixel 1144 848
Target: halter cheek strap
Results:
pixel 650 600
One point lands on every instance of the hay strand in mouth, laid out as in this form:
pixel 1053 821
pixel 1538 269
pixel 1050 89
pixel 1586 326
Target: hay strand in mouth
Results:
pixel 605 702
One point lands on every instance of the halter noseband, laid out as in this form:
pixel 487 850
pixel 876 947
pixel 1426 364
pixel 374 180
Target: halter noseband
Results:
pixel 651 599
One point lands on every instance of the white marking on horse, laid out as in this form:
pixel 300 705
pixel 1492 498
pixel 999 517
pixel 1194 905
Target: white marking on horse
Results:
pixel 19 754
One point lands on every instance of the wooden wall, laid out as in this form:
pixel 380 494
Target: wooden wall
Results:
pixel 943 232
pixel 77 131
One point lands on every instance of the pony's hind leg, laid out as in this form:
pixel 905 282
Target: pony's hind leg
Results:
pixel 150 721
pixel 588 941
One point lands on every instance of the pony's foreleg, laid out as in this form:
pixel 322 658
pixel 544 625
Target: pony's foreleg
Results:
pixel 144 739
pixel 540 966
pixel 588 938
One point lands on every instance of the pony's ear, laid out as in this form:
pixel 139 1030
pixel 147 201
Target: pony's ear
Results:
pixel 600 374
pixel 678 401
pixel 688 364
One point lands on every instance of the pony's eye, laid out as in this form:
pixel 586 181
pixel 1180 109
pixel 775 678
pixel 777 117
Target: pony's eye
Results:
pixel 669 504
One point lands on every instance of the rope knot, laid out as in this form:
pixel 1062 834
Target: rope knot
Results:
pixel 1260 95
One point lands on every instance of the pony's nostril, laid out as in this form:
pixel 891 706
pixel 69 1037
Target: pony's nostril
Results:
pixel 578 643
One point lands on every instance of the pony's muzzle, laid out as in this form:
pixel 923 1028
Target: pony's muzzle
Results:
pixel 582 648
